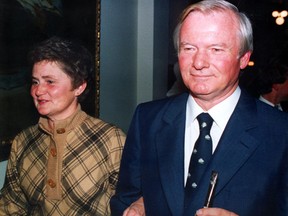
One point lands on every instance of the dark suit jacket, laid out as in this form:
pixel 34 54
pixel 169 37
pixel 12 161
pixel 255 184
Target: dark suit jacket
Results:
pixel 251 159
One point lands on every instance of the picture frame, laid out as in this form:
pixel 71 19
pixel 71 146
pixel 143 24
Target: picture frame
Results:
pixel 24 23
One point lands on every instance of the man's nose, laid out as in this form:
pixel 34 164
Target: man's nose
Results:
pixel 200 60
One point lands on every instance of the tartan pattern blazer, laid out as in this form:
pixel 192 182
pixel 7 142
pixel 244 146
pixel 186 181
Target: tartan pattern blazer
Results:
pixel 89 170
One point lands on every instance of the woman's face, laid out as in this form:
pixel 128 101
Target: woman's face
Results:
pixel 52 91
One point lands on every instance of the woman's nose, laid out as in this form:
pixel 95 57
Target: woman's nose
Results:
pixel 38 89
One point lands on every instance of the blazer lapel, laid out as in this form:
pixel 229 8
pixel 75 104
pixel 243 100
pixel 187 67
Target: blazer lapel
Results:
pixel 170 150
pixel 236 144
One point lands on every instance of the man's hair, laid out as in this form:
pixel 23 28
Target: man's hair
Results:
pixel 74 59
pixel 245 31
pixel 276 72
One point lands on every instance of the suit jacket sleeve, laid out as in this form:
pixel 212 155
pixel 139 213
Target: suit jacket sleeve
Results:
pixel 129 184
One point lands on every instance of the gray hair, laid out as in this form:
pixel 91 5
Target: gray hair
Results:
pixel 245 31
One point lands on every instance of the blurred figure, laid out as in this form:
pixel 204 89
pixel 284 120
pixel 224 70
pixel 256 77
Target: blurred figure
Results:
pixel 68 163
pixel 270 83
pixel 178 86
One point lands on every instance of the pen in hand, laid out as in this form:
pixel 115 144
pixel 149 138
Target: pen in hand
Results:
pixel 213 181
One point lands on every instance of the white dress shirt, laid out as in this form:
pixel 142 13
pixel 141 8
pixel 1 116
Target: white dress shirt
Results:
pixel 220 113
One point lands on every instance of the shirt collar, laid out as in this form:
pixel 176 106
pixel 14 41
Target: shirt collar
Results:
pixel 278 106
pixel 220 112
pixel 261 98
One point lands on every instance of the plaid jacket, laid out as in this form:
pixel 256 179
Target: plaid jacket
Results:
pixel 72 170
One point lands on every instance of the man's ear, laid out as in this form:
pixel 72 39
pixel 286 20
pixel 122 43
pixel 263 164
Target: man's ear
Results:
pixel 244 60
pixel 79 90
pixel 275 86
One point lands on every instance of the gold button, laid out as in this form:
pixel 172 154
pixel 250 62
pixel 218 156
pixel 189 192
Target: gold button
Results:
pixel 53 152
pixel 51 183
pixel 60 130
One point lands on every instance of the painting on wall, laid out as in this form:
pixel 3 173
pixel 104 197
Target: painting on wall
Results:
pixel 24 23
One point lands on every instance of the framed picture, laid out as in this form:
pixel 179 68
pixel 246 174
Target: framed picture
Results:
pixel 24 23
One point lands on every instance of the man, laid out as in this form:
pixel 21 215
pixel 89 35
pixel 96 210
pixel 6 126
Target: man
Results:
pixel 271 83
pixel 250 154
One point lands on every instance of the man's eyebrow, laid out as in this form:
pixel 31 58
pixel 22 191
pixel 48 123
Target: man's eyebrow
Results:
pixel 185 44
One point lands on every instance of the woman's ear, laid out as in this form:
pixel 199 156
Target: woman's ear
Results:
pixel 79 90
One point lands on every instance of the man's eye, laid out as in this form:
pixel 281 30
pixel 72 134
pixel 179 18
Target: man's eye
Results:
pixel 216 50
pixel 188 49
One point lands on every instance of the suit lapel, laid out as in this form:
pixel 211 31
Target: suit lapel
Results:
pixel 236 144
pixel 170 150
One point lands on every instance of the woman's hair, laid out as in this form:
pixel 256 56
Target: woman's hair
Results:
pixel 209 6
pixel 74 59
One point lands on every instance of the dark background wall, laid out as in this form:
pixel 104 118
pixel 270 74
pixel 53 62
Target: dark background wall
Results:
pixel 22 25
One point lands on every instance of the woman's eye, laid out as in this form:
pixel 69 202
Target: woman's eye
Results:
pixel 50 81
pixel 34 82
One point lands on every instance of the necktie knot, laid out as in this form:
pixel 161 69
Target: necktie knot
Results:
pixel 205 121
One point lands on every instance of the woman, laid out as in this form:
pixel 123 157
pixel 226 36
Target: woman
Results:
pixel 68 163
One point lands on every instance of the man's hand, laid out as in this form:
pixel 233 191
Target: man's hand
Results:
pixel 214 212
pixel 136 208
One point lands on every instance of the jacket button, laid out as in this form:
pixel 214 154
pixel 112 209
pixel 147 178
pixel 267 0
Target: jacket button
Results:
pixel 60 130
pixel 53 152
pixel 51 183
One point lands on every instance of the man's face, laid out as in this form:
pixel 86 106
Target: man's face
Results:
pixel 282 91
pixel 209 55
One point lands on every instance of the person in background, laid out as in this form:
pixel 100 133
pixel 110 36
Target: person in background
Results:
pixel 68 163
pixel 178 86
pixel 249 152
pixel 271 83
